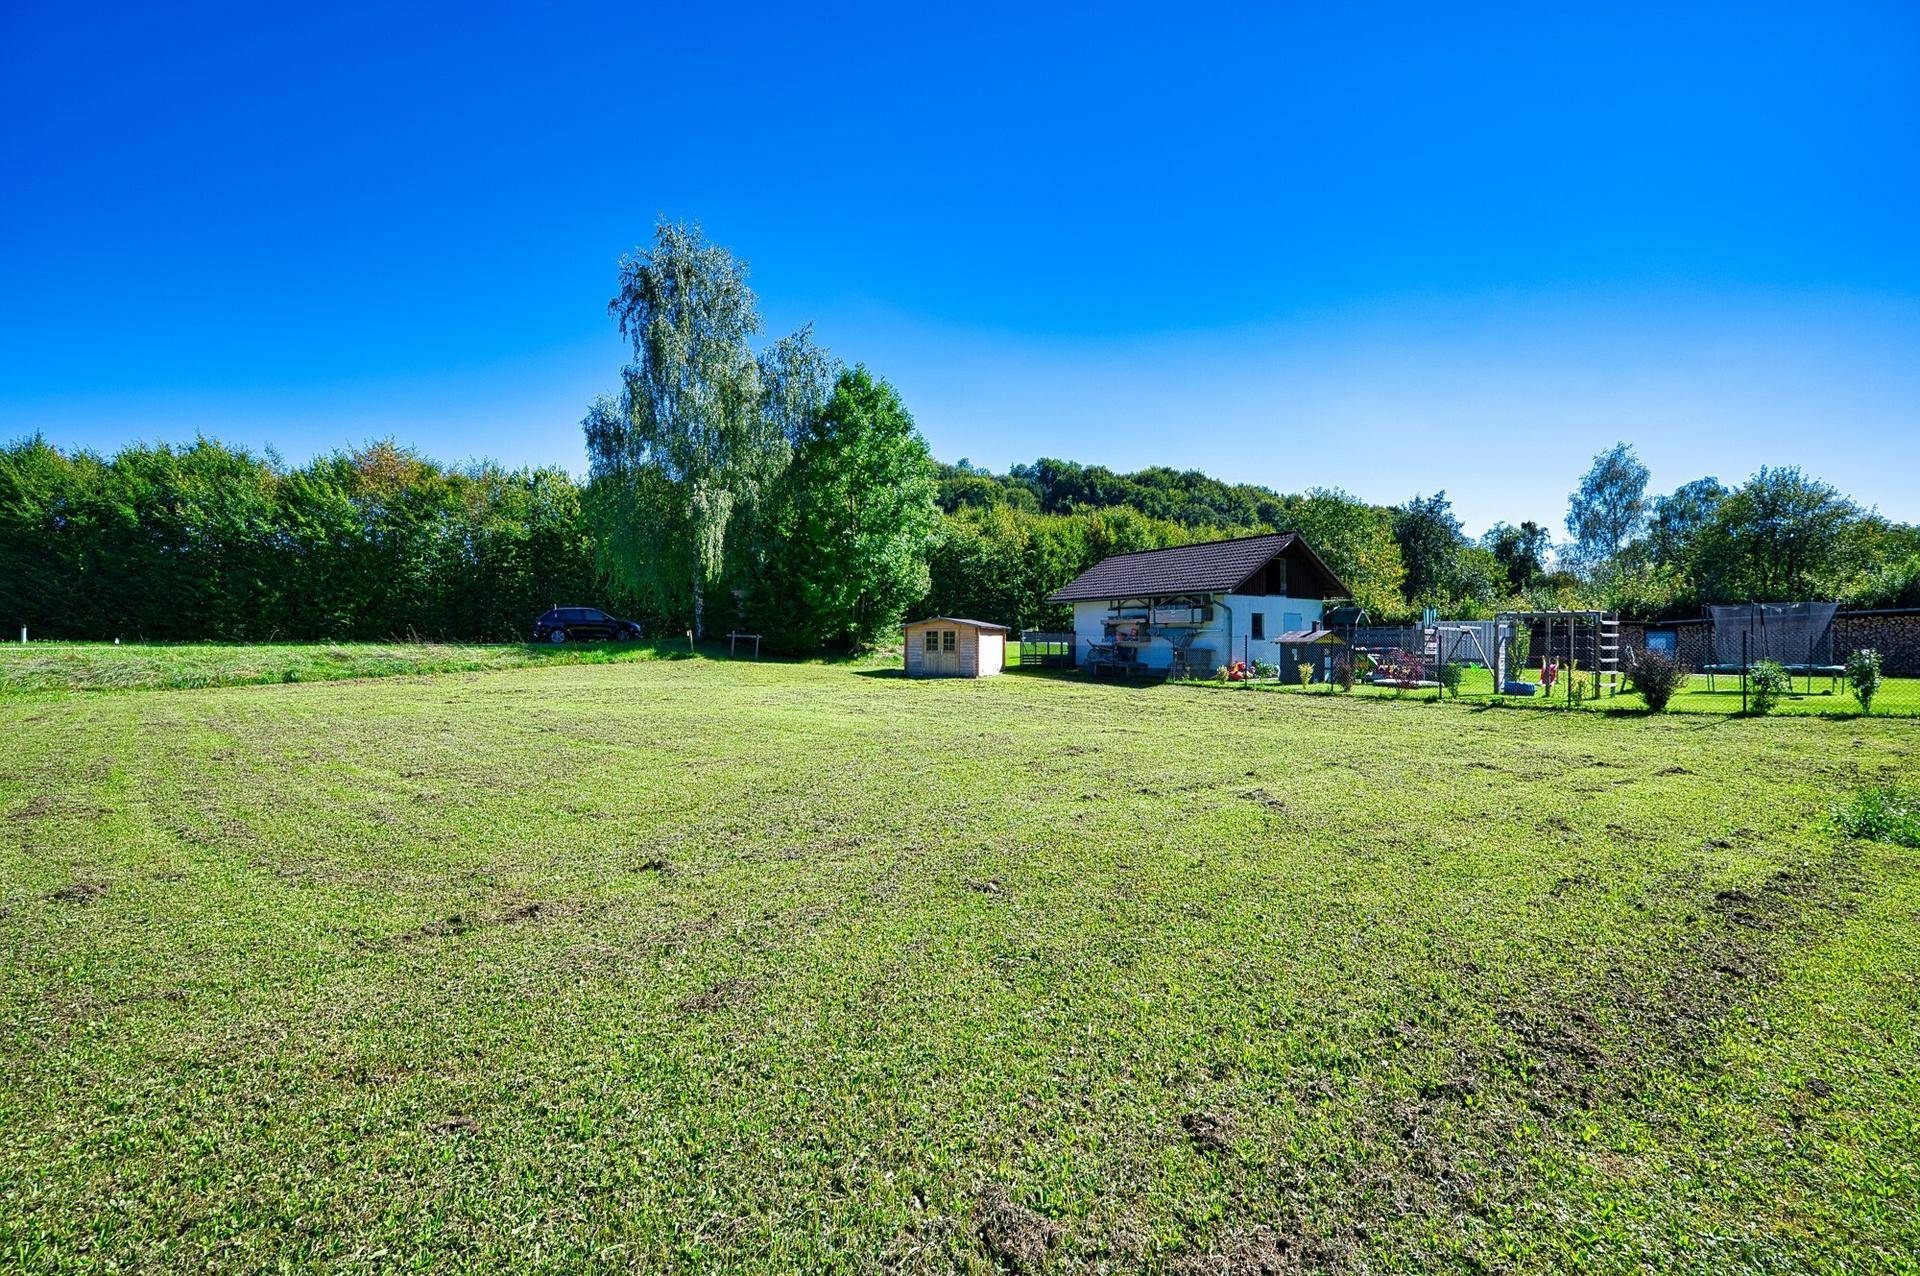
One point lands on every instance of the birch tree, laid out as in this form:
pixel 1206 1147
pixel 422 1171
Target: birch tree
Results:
pixel 689 439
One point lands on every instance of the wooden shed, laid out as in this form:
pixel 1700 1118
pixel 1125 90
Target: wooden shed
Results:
pixel 952 647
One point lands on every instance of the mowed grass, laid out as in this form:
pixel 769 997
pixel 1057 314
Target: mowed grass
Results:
pixel 694 965
pixel 31 668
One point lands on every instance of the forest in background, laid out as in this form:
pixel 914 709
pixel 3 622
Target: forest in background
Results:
pixel 208 541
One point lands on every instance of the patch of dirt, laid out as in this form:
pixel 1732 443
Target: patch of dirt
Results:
pixel 451 924
pixel 991 886
pixel 1263 1251
pixel 37 807
pixel 728 992
pixel 1210 1131
pixel 172 996
pixel 655 865
pixel 1673 770
pixel 466 923
pixel 79 893
pixel 1266 799
pixel 1743 909
pixel 1016 1237
pixel 458 1123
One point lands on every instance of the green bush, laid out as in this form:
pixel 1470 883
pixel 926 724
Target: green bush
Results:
pixel 1863 675
pixel 1883 815
pixel 1450 675
pixel 1656 677
pixel 1343 674
pixel 1306 673
pixel 1768 685
pixel 1265 670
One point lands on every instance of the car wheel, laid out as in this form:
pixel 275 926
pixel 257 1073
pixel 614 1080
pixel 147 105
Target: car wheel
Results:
pixel 558 635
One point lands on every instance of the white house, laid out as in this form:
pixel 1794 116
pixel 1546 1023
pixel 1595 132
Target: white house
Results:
pixel 1193 608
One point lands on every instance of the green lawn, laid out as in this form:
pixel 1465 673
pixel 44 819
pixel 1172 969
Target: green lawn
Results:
pixel 695 965
pixel 100 666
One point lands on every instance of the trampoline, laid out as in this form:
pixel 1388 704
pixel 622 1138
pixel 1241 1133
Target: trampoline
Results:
pixel 1796 636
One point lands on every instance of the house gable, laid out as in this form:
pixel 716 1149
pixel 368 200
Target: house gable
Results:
pixel 1275 563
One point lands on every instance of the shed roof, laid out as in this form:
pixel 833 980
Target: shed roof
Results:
pixel 1315 637
pixel 954 620
pixel 1207 568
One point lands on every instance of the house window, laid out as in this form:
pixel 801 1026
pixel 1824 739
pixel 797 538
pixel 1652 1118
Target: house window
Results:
pixel 1259 622
pixel 933 640
pixel 947 640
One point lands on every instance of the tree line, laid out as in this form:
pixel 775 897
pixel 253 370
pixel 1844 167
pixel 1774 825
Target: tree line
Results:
pixel 769 486
pixel 209 541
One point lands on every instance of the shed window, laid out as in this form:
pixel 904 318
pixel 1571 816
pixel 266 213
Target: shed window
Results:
pixel 1259 622
pixel 947 640
pixel 933 640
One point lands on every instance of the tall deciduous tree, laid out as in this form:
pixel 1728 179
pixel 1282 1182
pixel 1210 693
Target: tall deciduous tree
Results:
pixel 1609 508
pixel 1521 551
pixel 1430 543
pixel 1780 537
pixel 1355 539
pixel 1679 516
pixel 690 430
pixel 861 514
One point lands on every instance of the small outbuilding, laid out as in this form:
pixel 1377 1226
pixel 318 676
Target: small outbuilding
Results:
pixel 952 647
pixel 1319 648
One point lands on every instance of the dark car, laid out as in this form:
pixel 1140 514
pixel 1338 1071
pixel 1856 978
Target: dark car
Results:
pixel 574 624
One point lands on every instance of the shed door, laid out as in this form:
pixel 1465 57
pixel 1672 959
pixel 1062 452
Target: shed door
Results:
pixel 940 651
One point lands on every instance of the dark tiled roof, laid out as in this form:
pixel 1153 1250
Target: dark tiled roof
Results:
pixel 955 620
pixel 1184 569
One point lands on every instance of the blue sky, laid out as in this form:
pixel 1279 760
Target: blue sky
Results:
pixel 1387 248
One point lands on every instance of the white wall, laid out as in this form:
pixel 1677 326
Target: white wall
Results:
pixel 1282 614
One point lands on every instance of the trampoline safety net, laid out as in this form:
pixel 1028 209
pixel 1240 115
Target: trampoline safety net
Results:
pixel 1794 634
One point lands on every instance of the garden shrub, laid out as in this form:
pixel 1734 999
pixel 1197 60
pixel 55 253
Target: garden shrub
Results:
pixel 1450 675
pixel 1344 674
pixel 1400 668
pixel 1656 676
pixel 1768 685
pixel 1884 815
pixel 1306 673
pixel 1863 675
pixel 1265 670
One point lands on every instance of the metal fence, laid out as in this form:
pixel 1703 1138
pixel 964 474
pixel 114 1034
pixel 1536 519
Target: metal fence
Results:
pixel 1785 661
pixel 1041 649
